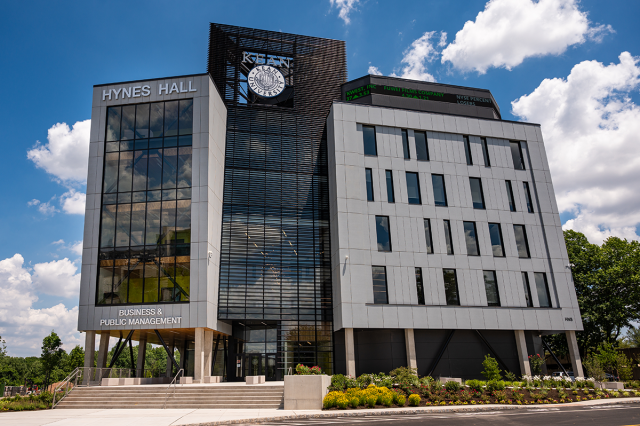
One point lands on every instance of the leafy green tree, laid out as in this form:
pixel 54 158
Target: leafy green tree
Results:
pixel 75 359
pixel 52 354
pixel 491 370
pixel 631 339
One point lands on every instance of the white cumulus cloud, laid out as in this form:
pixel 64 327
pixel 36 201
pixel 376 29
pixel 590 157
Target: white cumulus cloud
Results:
pixel 73 202
pixel 24 327
pixel 374 70
pixel 417 56
pixel 57 278
pixel 590 127
pixel 345 7
pixel 66 154
pixel 508 31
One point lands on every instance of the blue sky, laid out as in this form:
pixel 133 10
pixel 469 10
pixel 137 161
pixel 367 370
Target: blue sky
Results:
pixel 53 52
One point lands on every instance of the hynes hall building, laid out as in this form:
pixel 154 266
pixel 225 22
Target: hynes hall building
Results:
pixel 270 212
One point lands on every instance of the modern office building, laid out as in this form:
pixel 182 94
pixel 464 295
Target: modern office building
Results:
pixel 269 213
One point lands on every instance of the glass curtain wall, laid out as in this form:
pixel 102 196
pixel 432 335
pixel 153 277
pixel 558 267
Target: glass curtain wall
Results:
pixel 145 229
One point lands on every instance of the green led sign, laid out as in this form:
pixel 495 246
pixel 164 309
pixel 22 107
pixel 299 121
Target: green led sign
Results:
pixel 426 95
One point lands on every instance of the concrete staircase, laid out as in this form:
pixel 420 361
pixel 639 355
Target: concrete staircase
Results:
pixel 224 396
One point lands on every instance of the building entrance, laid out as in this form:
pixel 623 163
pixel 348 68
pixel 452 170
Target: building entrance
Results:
pixel 259 365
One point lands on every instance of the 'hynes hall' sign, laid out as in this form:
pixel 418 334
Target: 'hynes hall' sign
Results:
pixel 143 91
pixel 145 316
pixel 426 95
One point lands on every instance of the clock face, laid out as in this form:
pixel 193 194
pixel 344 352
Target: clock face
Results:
pixel 266 81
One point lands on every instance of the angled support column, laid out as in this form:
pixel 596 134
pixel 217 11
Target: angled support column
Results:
pixel 103 350
pixel 350 352
pixel 523 355
pixel 410 344
pixel 89 354
pixel 170 362
pixel 142 352
pixel 574 353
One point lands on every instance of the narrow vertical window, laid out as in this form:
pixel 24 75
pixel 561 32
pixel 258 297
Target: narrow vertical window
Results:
pixel 383 233
pixel 413 188
pixel 379 285
pixel 419 286
pixel 439 191
pixel 451 287
pixel 491 288
pixel 485 152
pixel 467 150
pixel 369 136
pixel 542 288
pixel 477 196
pixel 405 144
pixel 527 194
pixel 516 154
pixel 113 123
pixel 428 236
pixel 521 241
pixel 369 178
pixel 495 234
pixel 390 194
pixel 471 238
pixel 422 148
pixel 447 236
pixel 512 201
pixel 527 289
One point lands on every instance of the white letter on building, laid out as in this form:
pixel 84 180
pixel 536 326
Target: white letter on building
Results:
pixel 182 89
pixel 105 94
pixel 136 91
pixel 174 87
pixel 117 92
pixel 246 57
pixel 127 91
pixel 190 88
pixel 165 88
pixel 146 90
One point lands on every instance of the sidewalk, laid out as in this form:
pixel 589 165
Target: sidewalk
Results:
pixel 202 417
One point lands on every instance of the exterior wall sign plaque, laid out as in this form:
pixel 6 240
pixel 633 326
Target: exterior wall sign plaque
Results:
pixel 266 81
pixel 144 91
pixel 151 316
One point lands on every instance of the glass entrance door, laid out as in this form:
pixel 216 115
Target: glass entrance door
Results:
pixel 260 365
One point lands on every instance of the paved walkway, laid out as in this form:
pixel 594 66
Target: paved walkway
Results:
pixel 144 417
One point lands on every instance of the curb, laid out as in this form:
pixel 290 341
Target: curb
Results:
pixel 422 410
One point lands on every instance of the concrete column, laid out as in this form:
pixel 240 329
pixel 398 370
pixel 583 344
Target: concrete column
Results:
pixel 410 344
pixel 142 353
pixel 208 352
pixel 89 354
pixel 103 350
pixel 169 363
pixel 198 355
pixel 523 355
pixel 574 353
pixel 350 352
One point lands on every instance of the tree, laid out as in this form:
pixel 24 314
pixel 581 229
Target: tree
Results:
pixel 52 354
pixel 75 358
pixel 491 370
pixel 631 339
pixel 3 348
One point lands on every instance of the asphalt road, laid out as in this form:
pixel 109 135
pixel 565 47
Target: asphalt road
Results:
pixel 614 415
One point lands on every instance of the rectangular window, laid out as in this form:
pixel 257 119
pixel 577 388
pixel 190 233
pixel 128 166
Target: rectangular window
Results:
pixel 512 201
pixel 405 144
pixel 427 235
pixel 527 289
pixel 383 233
pixel 471 237
pixel 491 288
pixel 467 150
pixel 439 191
pixel 477 196
pixel 496 240
pixel 521 241
pixel 516 154
pixel 379 285
pixel 447 236
pixel 390 195
pixel 451 287
pixel 369 136
pixel 527 194
pixel 485 152
pixel 369 178
pixel 413 188
pixel 419 286
pixel 543 289
pixel 422 147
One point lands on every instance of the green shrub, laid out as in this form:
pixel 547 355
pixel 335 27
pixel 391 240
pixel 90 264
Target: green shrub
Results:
pixel 491 370
pixel 510 376
pixel 354 401
pixel 371 400
pixel 405 376
pixel 452 386
pixel 342 402
pixel 414 400
pixel 329 400
pixel 475 385
pixel 387 399
pixel 401 400
pixel 338 382
pixel 495 385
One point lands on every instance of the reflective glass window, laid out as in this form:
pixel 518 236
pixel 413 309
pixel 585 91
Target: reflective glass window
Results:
pixel 154 174
pixel 422 147
pixel 405 144
pixel 390 195
pixel 451 287
pixel 140 160
pixel 128 122
pixel 169 167
pixel 512 201
pixel 428 235
pixel 413 188
pixel 467 150
pixel 368 174
pixel 156 120
pixel 110 174
pixel 542 287
pixel 123 225
pixel 477 196
pixel 439 191
pixel 383 233
pixel 527 289
pixel 447 236
pixel 485 152
pixel 420 286
pixel 527 194
pixel 125 173
pixel 369 139
pixel 185 124
pixel 379 285
pixel 142 121
pixel 471 238
pixel 491 288
pixel 171 118
pixel 521 241
pixel 495 233
pixel 113 123
pixel 516 155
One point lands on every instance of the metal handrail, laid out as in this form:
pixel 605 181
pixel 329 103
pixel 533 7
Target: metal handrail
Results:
pixel 173 383
pixel 74 375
